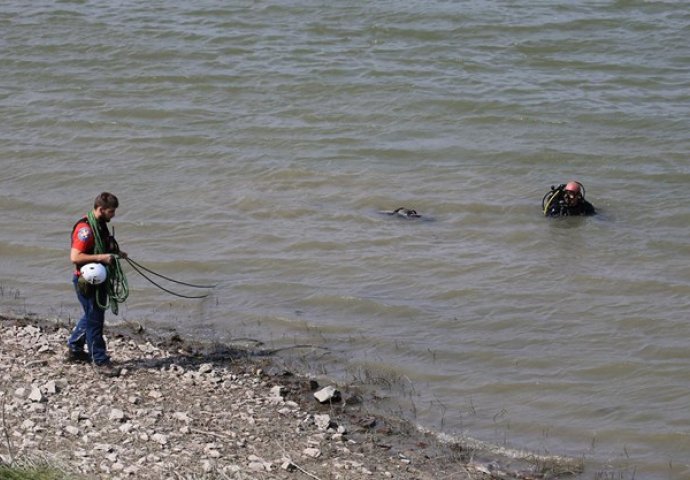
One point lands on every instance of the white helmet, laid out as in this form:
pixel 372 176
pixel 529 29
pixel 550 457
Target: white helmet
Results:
pixel 94 273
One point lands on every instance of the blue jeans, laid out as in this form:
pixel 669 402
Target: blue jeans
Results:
pixel 89 329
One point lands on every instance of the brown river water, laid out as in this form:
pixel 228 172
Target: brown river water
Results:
pixel 253 145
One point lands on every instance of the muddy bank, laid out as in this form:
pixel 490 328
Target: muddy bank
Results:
pixel 181 409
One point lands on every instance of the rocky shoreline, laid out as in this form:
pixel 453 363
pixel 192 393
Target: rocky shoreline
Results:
pixel 180 410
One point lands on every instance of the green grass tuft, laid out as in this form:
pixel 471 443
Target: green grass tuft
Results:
pixel 31 473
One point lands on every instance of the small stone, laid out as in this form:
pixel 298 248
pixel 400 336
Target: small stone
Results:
pixel 125 427
pixel 155 394
pixel 311 452
pixel 36 395
pixel 50 387
pixel 181 416
pixel 278 391
pixel 72 430
pixel 160 438
pixel 131 470
pixel 205 368
pixel 322 421
pixel 77 415
pixel 327 394
pixel 117 415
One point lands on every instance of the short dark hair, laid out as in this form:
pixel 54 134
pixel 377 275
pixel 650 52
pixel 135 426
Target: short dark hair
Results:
pixel 106 200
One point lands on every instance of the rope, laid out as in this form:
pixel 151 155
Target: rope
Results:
pixel 115 289
pixel 133 263
pixel 136 266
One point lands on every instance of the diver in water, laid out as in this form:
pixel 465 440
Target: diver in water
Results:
pixel 568 199
pixel 403 212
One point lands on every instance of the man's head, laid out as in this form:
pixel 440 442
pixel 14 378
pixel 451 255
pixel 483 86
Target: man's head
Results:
pixel 573 193
pixel 105 205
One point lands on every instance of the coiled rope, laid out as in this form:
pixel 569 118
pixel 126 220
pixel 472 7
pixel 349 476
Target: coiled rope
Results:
pixel 115 289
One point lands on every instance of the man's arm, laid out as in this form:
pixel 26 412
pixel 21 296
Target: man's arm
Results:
pixel 78 257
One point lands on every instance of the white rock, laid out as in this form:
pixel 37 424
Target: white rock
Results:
pixel 205 368
pixel 50 387
pixel 322 421
pixel 77 415
pixel 232 469
pixel 278 391
pixel 35 395
pixel 311 452
pixel 327 394
pixel 72 430
pixel 116 415
pixel 160 438
pixel 131 470
pixel 36 407
pixel 181 416
pixel 126 427
pixel 155 394
pixel 31 330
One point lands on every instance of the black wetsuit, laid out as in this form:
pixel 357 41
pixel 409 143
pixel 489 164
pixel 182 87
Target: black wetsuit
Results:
pixel 559 208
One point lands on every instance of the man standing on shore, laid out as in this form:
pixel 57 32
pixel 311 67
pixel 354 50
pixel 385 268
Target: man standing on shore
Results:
pixel 92 242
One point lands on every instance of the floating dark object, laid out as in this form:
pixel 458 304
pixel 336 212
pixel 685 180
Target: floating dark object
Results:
pixel 403 212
